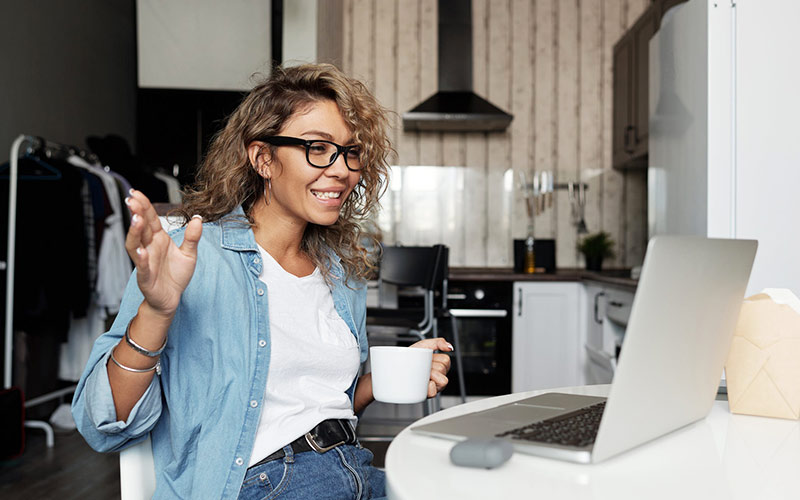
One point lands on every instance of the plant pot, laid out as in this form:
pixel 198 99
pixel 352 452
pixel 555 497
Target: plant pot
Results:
pixel 594 263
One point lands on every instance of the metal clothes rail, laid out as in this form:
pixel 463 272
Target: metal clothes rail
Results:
pixel 50 149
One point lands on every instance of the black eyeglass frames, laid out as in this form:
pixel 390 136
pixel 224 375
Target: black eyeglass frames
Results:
pixel 320 153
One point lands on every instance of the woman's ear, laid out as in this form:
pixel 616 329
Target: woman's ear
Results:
pixel 259 156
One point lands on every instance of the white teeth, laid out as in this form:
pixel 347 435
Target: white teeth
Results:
pixel 326 195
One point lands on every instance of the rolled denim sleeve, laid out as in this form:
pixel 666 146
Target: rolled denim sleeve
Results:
pixel 93 405
pixel 101 410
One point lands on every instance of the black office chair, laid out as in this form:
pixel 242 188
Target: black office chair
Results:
pixel 413 272
pixel 416 272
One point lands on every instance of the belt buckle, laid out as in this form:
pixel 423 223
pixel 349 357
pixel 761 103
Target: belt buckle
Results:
pixel 320 449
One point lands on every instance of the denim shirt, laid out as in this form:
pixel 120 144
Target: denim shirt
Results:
pixel 203 410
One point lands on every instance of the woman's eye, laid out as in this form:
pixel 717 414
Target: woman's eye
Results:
pixel 317 148
pixel 354 153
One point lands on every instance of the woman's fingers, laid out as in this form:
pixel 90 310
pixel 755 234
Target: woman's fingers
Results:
pixel 133 240
pixel 192 236
pixel 436 384
pixel 140 205
pixel 437 344
pixel 441 362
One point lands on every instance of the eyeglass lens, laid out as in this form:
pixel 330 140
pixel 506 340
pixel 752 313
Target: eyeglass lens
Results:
pixel 323 154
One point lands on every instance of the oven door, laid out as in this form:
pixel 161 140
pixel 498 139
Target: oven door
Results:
pixel 483 318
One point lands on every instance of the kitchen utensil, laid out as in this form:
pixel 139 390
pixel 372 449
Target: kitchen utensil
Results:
pixel 582 229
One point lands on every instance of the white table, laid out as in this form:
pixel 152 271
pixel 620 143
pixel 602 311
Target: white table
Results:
pixel 724 456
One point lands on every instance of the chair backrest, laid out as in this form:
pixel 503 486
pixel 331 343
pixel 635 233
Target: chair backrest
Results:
pixel 137 472
pixel 410 266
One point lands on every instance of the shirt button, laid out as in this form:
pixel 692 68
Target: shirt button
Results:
pixel 262 343
pixel 262 476
pixel 256 260
pixel 239 461
pixel 261 291
pixel 253 403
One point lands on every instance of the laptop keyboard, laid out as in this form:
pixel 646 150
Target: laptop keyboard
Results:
pixel 578 428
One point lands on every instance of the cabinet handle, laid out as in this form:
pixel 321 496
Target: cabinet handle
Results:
pixel 628 143
pixel 597 318
pixel 519 302
pixel 614 303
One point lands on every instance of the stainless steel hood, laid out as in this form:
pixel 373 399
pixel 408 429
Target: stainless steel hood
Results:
pixel 455 107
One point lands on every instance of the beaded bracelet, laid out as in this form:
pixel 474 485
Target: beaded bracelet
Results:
pixel 141 350
pixel 156 367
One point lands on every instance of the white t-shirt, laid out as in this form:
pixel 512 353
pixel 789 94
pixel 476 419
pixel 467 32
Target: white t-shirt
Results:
pixel 313 359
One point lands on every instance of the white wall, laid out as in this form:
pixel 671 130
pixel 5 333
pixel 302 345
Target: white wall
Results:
pixel 768 138
pixel 203 44
pixel 299 39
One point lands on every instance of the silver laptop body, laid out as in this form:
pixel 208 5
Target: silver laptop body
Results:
pixel 682 321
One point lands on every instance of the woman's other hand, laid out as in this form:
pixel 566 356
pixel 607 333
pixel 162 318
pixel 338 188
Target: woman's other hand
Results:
pixel 163 268
pixel 440 364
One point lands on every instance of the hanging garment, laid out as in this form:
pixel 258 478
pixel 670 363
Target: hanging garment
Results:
pixel 113 270
pixel 51 280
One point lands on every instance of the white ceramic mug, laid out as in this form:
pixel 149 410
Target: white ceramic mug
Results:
pixel 400 374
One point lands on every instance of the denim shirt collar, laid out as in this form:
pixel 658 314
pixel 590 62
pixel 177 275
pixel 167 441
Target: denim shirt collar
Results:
pixel 236 234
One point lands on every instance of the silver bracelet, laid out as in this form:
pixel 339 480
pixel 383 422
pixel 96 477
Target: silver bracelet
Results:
pixel 141 350
pixel 156 367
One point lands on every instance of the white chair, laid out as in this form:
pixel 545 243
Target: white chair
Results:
pixel 137 473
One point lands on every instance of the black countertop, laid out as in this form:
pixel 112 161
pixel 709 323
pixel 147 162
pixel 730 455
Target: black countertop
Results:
pixel 618 277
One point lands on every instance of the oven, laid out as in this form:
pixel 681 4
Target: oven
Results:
pixel 482 311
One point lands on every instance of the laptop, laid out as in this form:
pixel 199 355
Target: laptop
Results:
pixel 680 329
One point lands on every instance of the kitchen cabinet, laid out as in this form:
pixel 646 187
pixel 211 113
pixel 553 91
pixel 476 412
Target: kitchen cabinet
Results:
pixel 631 65
pixel 597 368
pixel 630 88
pixel 547 346
pixel 606 318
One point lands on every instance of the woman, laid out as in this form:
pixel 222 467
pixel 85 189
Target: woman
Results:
pixel 238 351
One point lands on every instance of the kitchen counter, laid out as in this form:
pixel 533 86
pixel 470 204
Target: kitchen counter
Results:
pixel 618 277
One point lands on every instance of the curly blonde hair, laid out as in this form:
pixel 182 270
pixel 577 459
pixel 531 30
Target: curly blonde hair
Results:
pixel 226 178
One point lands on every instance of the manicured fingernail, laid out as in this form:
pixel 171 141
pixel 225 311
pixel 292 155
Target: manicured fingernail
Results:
pixel 130 191
pixel 139 250
pixel 128 200
pixel 197 216
pixel 450 346
pixel 135 219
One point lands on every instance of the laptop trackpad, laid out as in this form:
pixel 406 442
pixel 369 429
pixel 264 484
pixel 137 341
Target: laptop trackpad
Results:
pixel 518 415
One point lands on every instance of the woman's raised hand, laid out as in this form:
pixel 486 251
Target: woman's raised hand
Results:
pixel 163 268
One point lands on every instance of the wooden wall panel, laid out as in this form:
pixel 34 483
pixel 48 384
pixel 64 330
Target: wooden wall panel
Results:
pixel 567 132
pixel 612 209
pixel 408 80
pixel 545 103
pixel 635 216
pixel 476 234
pixel 430 146
pixel 522 92
pixel 362 66
pixel 500 74
pixel 385 84
pixel 548 62
pixel 591 161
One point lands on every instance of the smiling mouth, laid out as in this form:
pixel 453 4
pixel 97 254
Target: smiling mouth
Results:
pixel 327 195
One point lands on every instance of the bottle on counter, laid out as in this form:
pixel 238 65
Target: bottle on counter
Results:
pixel 530 258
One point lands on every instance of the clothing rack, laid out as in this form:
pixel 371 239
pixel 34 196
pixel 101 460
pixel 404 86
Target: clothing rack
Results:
pixel 50 149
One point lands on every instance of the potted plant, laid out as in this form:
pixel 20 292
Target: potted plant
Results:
pixel 596 247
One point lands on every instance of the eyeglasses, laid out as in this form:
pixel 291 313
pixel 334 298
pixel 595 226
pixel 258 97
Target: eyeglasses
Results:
pixel 319 153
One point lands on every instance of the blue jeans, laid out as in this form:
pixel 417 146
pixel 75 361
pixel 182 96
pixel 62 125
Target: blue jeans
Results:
pixel 345 472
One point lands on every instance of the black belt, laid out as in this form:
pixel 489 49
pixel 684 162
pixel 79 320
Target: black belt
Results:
pixel 327 435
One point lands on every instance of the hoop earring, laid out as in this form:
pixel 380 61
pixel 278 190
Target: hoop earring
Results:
pixel 268 191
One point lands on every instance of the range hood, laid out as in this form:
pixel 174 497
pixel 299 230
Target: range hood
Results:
pixel 455 107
